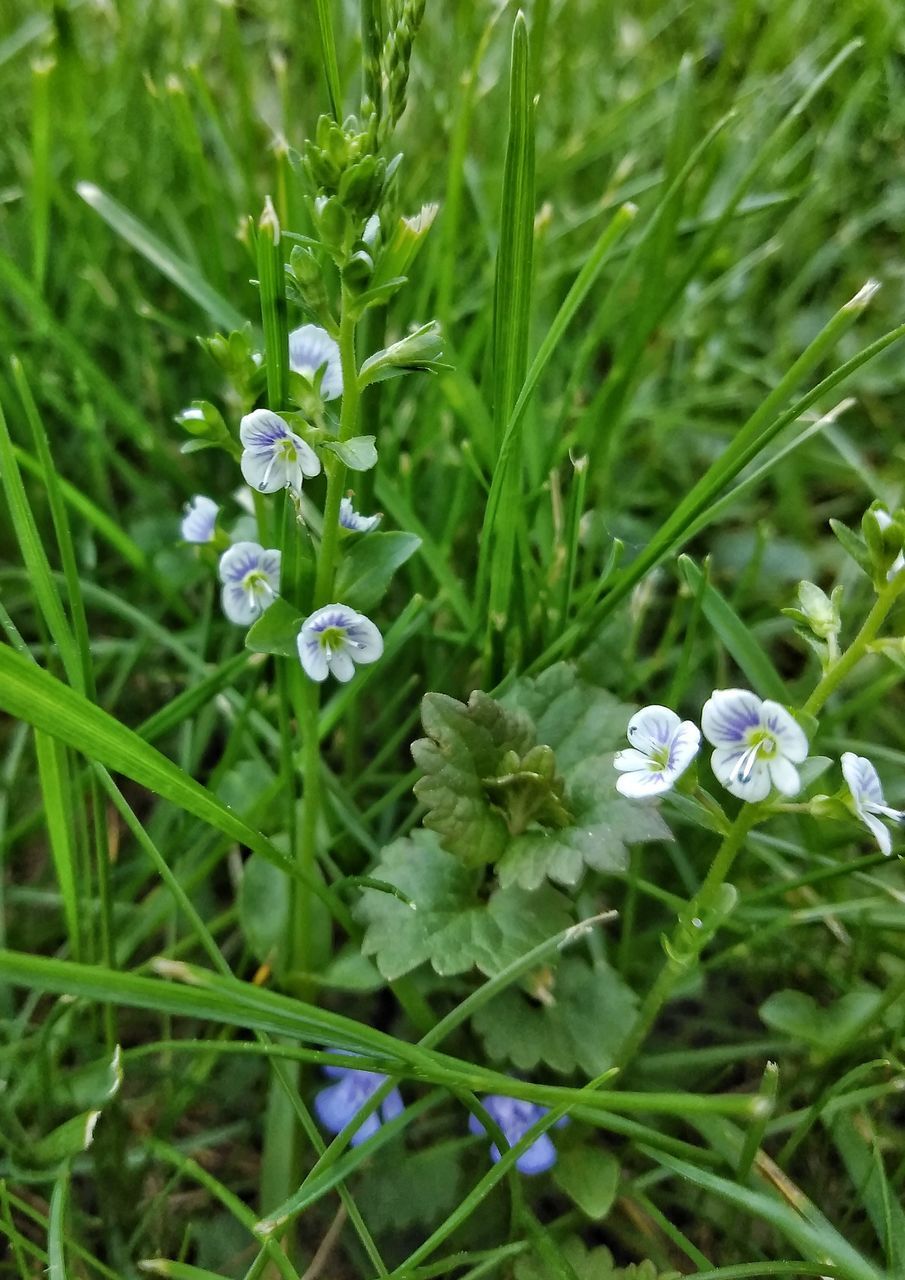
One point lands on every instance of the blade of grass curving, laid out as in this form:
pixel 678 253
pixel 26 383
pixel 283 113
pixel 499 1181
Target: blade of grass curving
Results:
pixel 41 73
pixel 35 558
pixel 816 1239
pixel 33 695
pixel 192 699
pixel 736 637
pixel 180 273
pixel 52 773
pixel 864 1164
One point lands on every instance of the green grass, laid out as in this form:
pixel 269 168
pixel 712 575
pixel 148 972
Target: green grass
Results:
pixel 657 393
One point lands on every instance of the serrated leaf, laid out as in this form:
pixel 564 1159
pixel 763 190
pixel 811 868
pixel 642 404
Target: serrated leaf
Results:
pixel 368 567
pixel 424 1187
pixel 358 454
pixel 589 1176
pixel 589 1264
pixel 604 825
pixel 584 1016
pixel 451 926
pixel 276 631
pixel 573 717
pixel 465 745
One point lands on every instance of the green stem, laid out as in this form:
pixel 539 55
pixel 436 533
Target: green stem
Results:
pixel 336 470
pixel 838 670
pixel 690 933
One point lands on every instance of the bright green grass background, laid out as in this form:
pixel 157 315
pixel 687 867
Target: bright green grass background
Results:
pixel 762 144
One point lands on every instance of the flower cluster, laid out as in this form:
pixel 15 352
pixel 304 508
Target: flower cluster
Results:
pixel 339 1104
pixel 758 748
pixel 280 453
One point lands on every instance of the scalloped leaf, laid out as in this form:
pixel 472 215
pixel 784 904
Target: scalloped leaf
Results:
pixel 573 717
pixel 605 824
pixel 579 1024
pixel 589 1264
pixel 451 926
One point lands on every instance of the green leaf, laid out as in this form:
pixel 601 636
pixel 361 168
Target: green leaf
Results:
pixel 276 631
pixel 853 545
pixel 798 1015
pixel 589 1264
pixel 590 1178
pixel 417 351
pixel 358 454
pixel 68 1139
pixel 369 564
pixel 604 824
pixel 575 718
pixel 464 747
pixel 263 907
pixel 424 1187
pixel 450 926
pixel 578 1022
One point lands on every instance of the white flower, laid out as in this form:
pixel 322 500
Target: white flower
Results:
pixel 333 639
pixel 274 456
pixel 758 744
pixel 251 580
pixel 868 799
pixel 663 746
pixel 199 519
pixel 349 518
pixel 311 347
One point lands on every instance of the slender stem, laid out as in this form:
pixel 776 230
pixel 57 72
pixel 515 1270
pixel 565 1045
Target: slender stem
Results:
pixel 336 471
pixel 690 933
pixel 839 669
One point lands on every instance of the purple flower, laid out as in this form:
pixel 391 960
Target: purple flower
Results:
pixel 867 798
pixel 199 519
pixel 339 1103
pixel 311 348
pixel 758 744
pixel 251 579
pixel 273 456
pixel 515 1117
pixel 350 519
pixel 663 746
pixel 336 638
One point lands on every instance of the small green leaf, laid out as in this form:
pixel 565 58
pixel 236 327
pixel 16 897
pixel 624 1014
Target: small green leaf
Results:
pixel 577 1021
pixel 425 1187
pixel 587 1263
pixel 276 631
pixel 575 718
pixel 798 1015
pixel 68 1139
pixel 263 908
pixel 450 925
pixel 368 567
pixel 853 545
pixel 358 454
pixel 590 1178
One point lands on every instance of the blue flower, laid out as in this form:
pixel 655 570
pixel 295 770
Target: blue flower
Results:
pixel 311 348
pixel 251 580
pixel 336 1105
pixel 867 798
pixel 663 746
pixel 199 519
pixel 273 456
pixel 515 1117
pixel 350 519
pixel 333 639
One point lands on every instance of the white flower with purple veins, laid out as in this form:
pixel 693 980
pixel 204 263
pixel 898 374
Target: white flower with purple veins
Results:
pixel 336 638
pixel 867 798
pixel 663 746
pixel 200 519
pixel 311 348
pixel 274 456
pixel 251 580
pixel 758 744
pixel 349 518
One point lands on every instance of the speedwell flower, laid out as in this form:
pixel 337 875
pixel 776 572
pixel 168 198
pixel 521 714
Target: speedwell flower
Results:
pixel 349 518
pixel 867 798
pixel 251 580
pixel 336 1105
pixel 310 348
pixel 333 639
pixel 758 744
pixel 199 519
pixel 274 456
pixel 663 746
pixel 515 1117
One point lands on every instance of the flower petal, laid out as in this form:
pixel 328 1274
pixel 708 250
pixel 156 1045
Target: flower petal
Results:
pixel 880 834
pixel 641 786
pixel 366 640
pixel 341 665
pixel 308 461
pixel 312 657
pixel 310 346
pixel 790 737
pixel 335 1106
pixel 392 1106
pixel 269 564
pixel 863 780
pixel 200 519
pixel 728 716
pixel 652 728
pixel 632 761
pixel 539 1157
pixel 784 775
pixel 685 744
pixel 261 429
pixel 238 606
pixel 262 471
pixel 238 560
pixel 474 1125
pixel 367 1129
pixel 725 764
